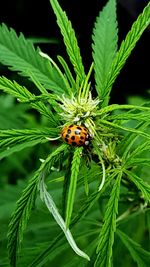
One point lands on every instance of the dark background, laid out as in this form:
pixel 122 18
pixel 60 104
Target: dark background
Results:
pixel 36 19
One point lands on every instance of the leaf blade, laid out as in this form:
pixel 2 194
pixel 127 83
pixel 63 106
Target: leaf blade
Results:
pixel 106 238
pixel 15 140
pixel 23 209
pixel 73 182
pixel 104 44
pixel 139 255
pixel 126 48
pixel 23 95
pixel 69 39
pixel 20 218
pixel 141 184
pixel 20 55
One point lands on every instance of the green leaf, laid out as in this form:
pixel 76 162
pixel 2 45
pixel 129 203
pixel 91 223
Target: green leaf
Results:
pixel 129 139
pixel 104 45
pixel 68 73
pixel 133 156
pixel 125 50
pixel 15 140
pixel 141 185
pixel 87 205
pixel 73 182
pixel 20 218
pixel 23 95
pixel 20 55
pixel 24 207
pixel 139 255
pixel 113 107
pixel 132 130
pixel 137 161
pixel 18 147
pixel 106 238
pixel 13 88
pixel 69 39
pixel 140 116
pixel 47 199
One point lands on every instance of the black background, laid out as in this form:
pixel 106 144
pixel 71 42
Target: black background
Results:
pixel 36 19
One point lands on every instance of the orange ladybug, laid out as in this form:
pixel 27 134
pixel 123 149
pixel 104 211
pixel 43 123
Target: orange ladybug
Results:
pixel 76 135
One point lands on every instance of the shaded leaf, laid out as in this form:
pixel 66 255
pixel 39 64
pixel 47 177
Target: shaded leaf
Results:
pixel 139 255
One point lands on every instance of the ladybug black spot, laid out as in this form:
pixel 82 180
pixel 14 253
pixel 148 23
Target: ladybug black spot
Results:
pixel 73 137
pixel 66 139
pixel 67 135
pixel 81 137
pixel 68 131
pixel 79 128
pixel 81 142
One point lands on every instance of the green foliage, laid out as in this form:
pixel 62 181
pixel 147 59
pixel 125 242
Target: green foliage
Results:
pixel 126 48
pixel 106 237
pixel 141 256
pixel 20 55
pixel 20 218
pixel 144 187
pixel 92 189
pixel 69 39
pixel 104 45
pixel 15 140
pixel 73 182
pixel 23 95
pixel 24 206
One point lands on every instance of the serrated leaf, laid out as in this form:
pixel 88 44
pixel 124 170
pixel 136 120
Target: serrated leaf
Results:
pixel 130 138
pixel 40 260
pixel 125 50
pixel 126 129
pixel 114 107
pixel 20 55
pixel 140 116
pixel 106 238
pixel 16 140
pixel 13 88
pixel 20 218
pixel 141 185
pixel 69 39
pixel 138 161
pixel 15 136
pixel 104 45
pixel 139 255
pixel 24 206
pixel 73 182
pixel 23 95
pixel 133 156
pixel 68 73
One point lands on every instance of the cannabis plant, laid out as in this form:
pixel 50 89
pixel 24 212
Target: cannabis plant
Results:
pixel 104 183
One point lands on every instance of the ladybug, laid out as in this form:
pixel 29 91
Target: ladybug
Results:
pixel 76 135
